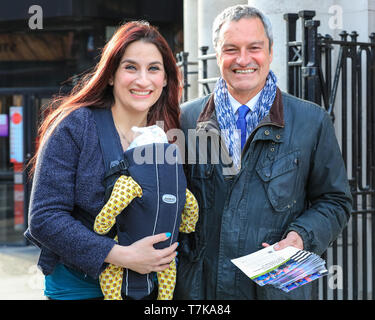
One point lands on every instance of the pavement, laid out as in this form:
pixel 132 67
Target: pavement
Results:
pixel 20 279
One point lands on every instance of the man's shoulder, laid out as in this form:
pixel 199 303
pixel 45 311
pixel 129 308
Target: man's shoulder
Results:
pixel 291 100
pixel 302 108
pixel 195 104
pixel 191 110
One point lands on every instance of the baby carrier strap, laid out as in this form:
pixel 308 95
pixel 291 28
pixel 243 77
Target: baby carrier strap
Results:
pixel 114 163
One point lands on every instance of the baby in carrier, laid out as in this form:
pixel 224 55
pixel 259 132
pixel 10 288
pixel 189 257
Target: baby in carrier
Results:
pixel 153 199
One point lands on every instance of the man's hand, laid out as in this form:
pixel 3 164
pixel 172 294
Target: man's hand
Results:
pixel 293 239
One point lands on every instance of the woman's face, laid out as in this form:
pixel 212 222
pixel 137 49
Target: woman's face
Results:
pixel 139 79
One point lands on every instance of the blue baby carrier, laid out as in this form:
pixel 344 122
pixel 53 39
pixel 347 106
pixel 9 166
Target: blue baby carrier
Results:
pixel 157 168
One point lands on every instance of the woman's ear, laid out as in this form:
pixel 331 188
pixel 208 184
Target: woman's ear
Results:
pixel 110 81
pixel 165 82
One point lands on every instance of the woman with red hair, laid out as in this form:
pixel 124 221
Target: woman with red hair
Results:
pixel 138 81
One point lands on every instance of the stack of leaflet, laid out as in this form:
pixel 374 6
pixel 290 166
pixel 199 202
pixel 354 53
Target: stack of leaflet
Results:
pixel 285 269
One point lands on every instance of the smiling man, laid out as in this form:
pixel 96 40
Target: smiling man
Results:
pixel 290 185
pixel 244 55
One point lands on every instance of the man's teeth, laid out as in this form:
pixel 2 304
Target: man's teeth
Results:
pixel 140 93
pixel 245 71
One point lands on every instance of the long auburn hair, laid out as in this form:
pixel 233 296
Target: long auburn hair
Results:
pixel 93 89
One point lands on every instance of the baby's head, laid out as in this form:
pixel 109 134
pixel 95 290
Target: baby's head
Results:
pixel 148 135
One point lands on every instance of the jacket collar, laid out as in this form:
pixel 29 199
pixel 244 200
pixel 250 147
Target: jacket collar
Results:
pixel 207 119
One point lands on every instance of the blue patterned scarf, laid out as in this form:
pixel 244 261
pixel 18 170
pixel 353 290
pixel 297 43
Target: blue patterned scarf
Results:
pixel 227 120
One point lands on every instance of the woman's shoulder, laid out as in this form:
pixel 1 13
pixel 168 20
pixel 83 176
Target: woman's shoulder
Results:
pixel 82 115
pixel 76 126
pixel 77 120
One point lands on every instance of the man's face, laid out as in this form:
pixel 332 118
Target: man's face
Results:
pixel 244 57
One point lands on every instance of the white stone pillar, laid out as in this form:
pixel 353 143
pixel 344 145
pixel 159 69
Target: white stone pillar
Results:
pixel 371 11
pixel 191 44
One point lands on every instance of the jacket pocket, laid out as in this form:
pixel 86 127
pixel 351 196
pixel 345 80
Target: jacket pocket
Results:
pixel 201 184
pixel 280 180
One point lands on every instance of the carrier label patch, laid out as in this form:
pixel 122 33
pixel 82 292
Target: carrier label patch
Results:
pixel 169 198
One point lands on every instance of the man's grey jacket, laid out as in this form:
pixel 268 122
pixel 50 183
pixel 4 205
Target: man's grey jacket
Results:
pixel 292 177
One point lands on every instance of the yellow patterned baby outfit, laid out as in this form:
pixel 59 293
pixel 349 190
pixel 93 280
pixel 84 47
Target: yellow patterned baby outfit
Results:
pixel 124 191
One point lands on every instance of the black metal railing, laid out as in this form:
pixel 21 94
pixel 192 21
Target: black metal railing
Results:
pixel 318 69
pixel 184 64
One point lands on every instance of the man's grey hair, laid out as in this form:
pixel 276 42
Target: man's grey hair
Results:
pixel 236 13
